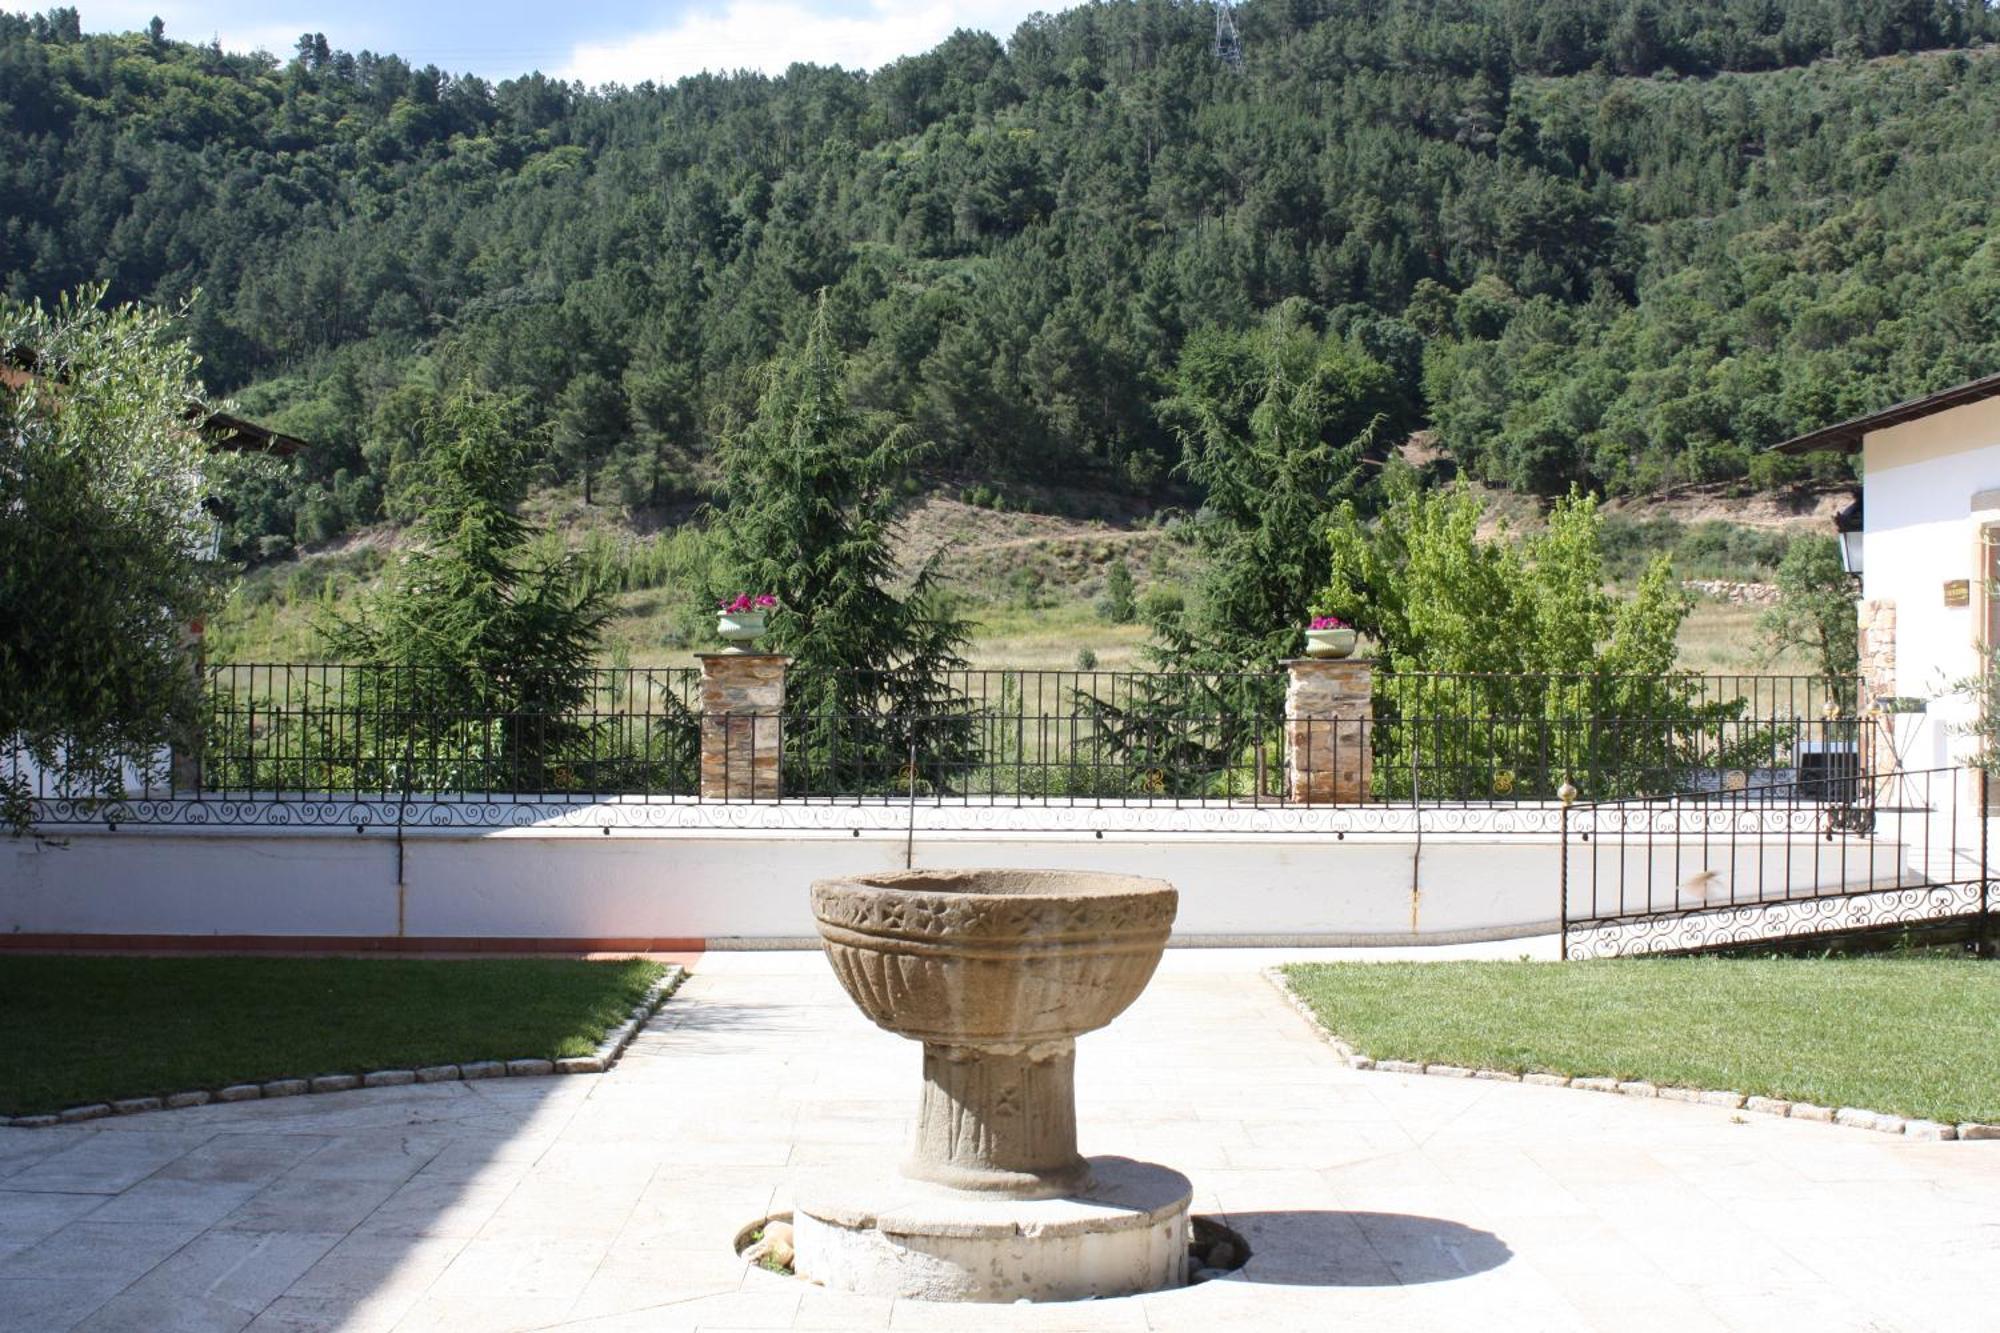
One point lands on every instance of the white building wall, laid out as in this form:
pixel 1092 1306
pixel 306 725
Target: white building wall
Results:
pixel 1920 480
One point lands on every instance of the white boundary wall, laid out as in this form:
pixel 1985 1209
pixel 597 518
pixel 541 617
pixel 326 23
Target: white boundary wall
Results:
pixel 723 886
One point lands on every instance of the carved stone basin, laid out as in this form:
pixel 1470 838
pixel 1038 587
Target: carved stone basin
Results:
pixel 996 972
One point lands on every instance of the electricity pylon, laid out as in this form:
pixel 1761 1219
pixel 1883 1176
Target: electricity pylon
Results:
pixel 1228 46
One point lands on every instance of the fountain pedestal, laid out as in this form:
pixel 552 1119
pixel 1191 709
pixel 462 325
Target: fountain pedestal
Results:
pixel 996 972
pixel 1125 1233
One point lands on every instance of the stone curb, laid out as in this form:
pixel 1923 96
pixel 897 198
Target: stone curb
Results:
pixel 1930 1131
pixel 597 1062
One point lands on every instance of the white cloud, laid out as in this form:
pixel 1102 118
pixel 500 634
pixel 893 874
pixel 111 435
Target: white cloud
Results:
pixel 769 35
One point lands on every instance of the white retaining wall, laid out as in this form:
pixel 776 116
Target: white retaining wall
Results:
pixel 723 886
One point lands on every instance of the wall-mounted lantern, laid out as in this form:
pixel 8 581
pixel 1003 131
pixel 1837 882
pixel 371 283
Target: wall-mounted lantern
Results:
pixel 219 512
pixel 1847 526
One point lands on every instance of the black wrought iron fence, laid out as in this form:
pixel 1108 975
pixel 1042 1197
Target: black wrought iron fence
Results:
pixel 329 730
pixel 1055 693
pixel 1826 855
pixel 975 754
pixel 1473 736
pixel 1006 756
pixel 302 686
pixel 283 732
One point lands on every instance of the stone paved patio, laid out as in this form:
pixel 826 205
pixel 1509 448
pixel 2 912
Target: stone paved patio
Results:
pixel 1372 1200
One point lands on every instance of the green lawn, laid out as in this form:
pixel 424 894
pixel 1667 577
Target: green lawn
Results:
pixel 80 1030
pixel 1909 1035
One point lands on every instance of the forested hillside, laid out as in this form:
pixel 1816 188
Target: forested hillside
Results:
pixel 1618 242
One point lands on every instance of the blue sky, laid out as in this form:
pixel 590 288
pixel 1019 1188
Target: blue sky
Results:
pixel 595 42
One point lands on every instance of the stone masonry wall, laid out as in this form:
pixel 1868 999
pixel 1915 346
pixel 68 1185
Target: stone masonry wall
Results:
pixel 1877 629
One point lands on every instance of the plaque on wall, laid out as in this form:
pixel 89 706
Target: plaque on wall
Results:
pixel 1958 592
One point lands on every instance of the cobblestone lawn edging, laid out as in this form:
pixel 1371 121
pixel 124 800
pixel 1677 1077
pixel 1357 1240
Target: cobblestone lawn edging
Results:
pixel 597 1062
pixel 1854 1117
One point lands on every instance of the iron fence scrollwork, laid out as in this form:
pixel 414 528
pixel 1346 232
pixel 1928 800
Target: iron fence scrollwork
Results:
pixel 1703 871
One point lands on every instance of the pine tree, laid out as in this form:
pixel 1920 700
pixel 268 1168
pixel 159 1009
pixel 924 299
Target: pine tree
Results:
pixel 1273 424
pixel 590 419
pixel 484 639
pixel 1117 604
pixel 810 497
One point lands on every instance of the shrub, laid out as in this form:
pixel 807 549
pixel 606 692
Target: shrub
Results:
pixel 1117 605
pixel 1162 604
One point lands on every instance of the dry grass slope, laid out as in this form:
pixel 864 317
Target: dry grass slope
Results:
pixel 1028 582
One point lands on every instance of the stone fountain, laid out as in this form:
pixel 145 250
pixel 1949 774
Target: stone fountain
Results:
pixel 996 972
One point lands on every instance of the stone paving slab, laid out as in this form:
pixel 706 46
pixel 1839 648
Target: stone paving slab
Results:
pixel 610 1202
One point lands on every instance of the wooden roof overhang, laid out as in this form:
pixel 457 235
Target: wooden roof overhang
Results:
pixel 1845 436
pixel 223 432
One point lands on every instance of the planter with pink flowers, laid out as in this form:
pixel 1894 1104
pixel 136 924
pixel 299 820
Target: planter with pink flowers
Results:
pixel 740 619
pixel 1329 636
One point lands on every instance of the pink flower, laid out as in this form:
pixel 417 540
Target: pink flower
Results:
pixel 1329 622
pixel 744 601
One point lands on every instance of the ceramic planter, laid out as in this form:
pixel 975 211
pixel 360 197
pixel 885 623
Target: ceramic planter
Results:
pixel 1330 642
pixel 740 628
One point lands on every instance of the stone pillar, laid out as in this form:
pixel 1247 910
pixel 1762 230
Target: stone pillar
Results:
pixel 1328 705
pixel 742 700
pixel 1876 624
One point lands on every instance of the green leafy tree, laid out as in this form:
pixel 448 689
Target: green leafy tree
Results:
pixel 481 640
pixel 1814 614
pixel 810 495
pixel 1506 665
pixel 101 529
pixel 1436 596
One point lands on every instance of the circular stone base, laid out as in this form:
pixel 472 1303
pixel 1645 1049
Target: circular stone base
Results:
pixel 1126 1233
